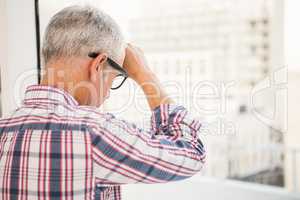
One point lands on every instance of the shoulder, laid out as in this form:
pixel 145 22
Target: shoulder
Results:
pixel 92 116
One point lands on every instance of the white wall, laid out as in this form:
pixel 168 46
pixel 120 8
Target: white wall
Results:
pixel 292 32
pixel 17 50
pixel 292 138
pixel 292 60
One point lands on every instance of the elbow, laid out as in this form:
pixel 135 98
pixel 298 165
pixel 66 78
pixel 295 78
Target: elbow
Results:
pixel 198 164
pixel 200 161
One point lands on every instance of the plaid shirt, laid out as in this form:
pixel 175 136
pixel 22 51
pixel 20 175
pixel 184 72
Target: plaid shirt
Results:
pixel 53 148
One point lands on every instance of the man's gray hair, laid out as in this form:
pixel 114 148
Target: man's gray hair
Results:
pixel 77 30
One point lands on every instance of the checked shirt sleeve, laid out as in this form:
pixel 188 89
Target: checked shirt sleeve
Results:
pixel 170 151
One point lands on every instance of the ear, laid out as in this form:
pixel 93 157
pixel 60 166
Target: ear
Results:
pixel 97 65
pixel 99 62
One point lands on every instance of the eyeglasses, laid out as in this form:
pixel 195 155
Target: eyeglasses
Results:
pixel 120 78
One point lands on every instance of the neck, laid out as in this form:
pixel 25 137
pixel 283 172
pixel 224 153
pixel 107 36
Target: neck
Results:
pixel 66 77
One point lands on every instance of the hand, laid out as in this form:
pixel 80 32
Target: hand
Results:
pixel 136 65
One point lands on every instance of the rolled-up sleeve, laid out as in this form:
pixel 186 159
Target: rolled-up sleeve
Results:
pixel 171 150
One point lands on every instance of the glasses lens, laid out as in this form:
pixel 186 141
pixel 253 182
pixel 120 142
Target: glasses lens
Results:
pixel 117 82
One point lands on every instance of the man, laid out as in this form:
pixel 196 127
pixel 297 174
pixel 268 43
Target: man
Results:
pixel 58 146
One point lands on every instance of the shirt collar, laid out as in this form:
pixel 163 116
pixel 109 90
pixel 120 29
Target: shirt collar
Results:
pixel 48 94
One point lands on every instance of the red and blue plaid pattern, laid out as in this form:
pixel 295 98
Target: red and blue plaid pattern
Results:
pixel 53 148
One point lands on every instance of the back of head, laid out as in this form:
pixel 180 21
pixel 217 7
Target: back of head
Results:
pixel 77 30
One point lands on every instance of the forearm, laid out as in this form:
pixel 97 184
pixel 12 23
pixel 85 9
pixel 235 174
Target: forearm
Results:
pixel 153 90
pixel 137 68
